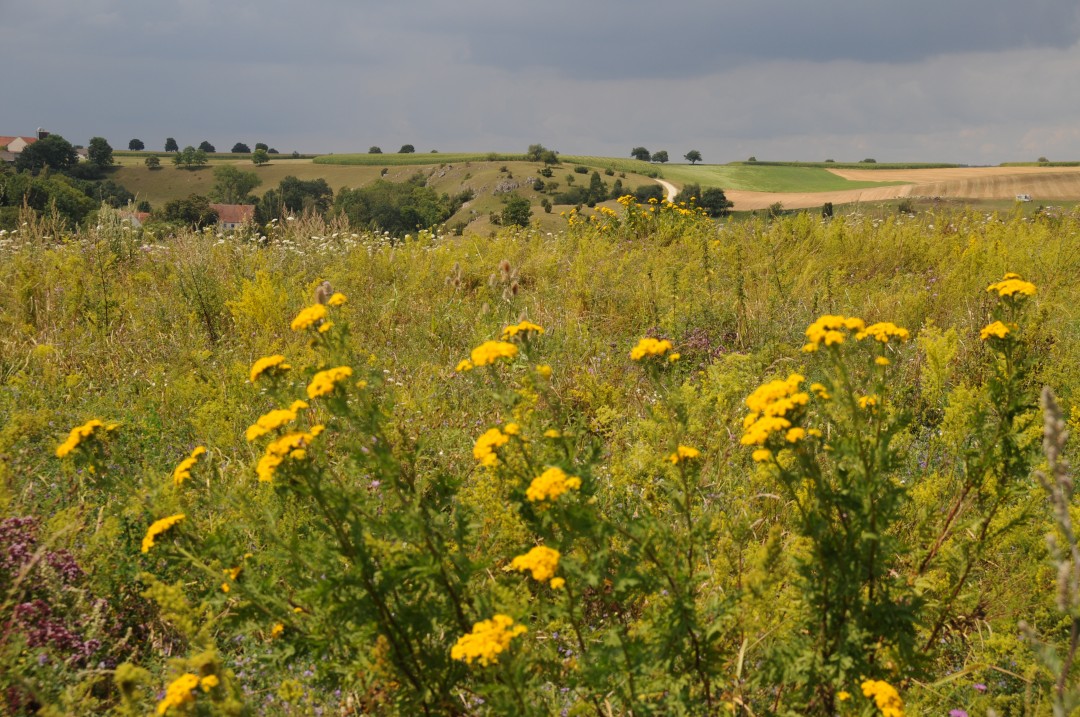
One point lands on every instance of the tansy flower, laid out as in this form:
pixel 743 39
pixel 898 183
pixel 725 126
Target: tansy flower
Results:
pixel 996 330
pixel 883 331
pixel 337 299
pixel 795 435
pixel 487 639
pixel 550 484
pixel 650 347
pixel 511 429
pixel 885 697
pixel 772 405
pixel 484 448
pixel 552 433
pixel 183 471
pixel 882 361
pixel 544 371
pixel 464 365
pixel 179 692
pixel 80 433
pixel 557 583
pixel 274 420
pixel 269 365
pixel 843 696
pixel 309 317
pixel 208 683
pixel 325 326
pixel 761 455
pixel 277 630
pixel 684 453
pixel 291 445
pixel 324 382
pixel 157 528
pixel 867 401
pixel 490 351
pixel 1011 286
pixel 829 330
pixel 542 562
pixel 525 328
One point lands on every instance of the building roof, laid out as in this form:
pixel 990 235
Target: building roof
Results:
pixel 5 141
pixel 234 213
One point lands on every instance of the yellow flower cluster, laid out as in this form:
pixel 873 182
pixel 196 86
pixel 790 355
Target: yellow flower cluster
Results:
pixel 487 639
pixel 179 692
pixel 464 365
pixel 268 364
pixel 274 420
pixel 684 453
pixel 81 433
pixel 650 347
pixel 484 448
pixel 490 351
pixel 994 330
pixel 277 630
pixel 1011 285
pixel 540 561
pixel 550 484
pixel 309 317
pixel 209 682
pixel 525 328
pixel 885 697
pixel 324 382
pixel 771 406
pixel 183 471
pixel 882 331
pixel 829 330
pixel 157 528
pixel 291 445
pixel 337 299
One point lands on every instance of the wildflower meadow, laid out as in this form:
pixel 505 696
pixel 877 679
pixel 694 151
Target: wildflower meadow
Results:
pixel 651 464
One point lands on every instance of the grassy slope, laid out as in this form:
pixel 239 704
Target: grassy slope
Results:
pixel 763 178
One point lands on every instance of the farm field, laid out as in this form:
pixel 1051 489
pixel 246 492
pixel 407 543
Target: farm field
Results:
pixel 645 464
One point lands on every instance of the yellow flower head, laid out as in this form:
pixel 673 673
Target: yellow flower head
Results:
pixel 324 382
pixel 684 453
pixel 543 370
pixel 274 420
pixel 557 583
pixel 183 471
pixel 761 455
pixel 524 328
pixel 994 330
pixel 772 407
pixel 552 433
pixel 81 433
pixel 157 528
pixel 309 317
pixel 487 639
pixel 550 484
pixel 269 365
pixel 1012 286
pixel 209 682
pixel 795 435
pixel 277 630
pixel 885 697
pixel 337 299
pixel 291 445
pixel 882 361
pixel 868 401
pixel 540 561
pixel 650 347
pixel 464 365
pixel 490 351
pixel 883 331
pixel 486 444
pixel 179 692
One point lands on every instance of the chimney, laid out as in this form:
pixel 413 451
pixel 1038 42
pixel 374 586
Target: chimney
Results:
pixel 42 134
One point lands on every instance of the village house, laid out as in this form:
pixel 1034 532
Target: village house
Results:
pixel 233 216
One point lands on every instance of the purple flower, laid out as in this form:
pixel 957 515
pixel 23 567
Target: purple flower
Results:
pixel 979 687
pixel 957 713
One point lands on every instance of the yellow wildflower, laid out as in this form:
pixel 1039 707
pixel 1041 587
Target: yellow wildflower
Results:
pixel 795 435
pixel 552 433
pixel 179 692
pixel 490 351
pixel 268 364
pixel 324 382
pixel 525 328
pixel 79 433
pixel 673 357
pixel 337 299
pixel 882 361
pixel 511 429
pixel 883 331
pixel 867 401
pixel 291 445
pixel 542 562
pixel 274 420
pixel 843 696
pixel 277 630
pixel 772 405
pixel 464 365
pixel 309 317
pixel 820 391
pixel 684 453
pixel 325 326
pixel 225 587
pixel 557 583
pixel 1012 285
pixel 484 448
pixel 761 455
pixel 157 528
pixel 996 329
pixel 487 639
pixel 208 683
pixel 543 370
pixel 183 471
pixel 550 484
pixel 885 697
pixel 650 347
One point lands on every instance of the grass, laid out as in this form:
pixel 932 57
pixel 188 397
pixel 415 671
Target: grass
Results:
pixel 393 159
pixel 762 178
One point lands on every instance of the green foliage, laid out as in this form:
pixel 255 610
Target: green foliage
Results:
pixel 44 194
pixel 171 145
pixel 641 154
pixel 53 152
pixel 193 211
pixel 693 156
pixel 260 157
pixel 153 162
pixel 661 156
pixel 136 145
pixel 516 211
pixel 407 149
pixel 395 207
pixel 190 158
pixel 206 147
pixel 240 148
pixel 99 153
pixel 294 196
pixel 261 145
pixel 233 186
pixel 374 150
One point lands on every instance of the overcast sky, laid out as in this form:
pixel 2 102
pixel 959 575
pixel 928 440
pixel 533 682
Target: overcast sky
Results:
pixel 970 81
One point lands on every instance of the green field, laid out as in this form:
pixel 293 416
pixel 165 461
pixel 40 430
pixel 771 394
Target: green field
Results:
pixel 764 178
pixel 393 159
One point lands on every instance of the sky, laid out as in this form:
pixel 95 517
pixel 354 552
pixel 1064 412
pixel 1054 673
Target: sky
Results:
pixel 966 81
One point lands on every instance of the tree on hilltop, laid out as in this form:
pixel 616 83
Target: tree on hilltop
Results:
pixel 241 148
pixel 661 156
pixel 261 145
pixel 207 147
pixel 373 149
pixel 233 186
pixel 693 156
pixel 136 145
pixel 99 153
pixel 171 145
pixel 640 153
pixel 260 157
pixel 406 149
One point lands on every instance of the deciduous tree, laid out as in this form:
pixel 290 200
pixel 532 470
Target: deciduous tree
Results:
pixel 136 145
pixel 406 149
pixel 99 153
pixel 640 153
pixel 661 156
pixel 260 157
pixel 171 145
pixel 693 156
pixel 241 148
pixel 54 152
pixel 232 185
pixel 207 147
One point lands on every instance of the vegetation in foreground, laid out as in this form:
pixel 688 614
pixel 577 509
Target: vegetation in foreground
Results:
pixel 649 465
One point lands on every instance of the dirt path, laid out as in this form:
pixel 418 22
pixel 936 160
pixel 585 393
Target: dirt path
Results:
pixel 670 189
pixel 1042 183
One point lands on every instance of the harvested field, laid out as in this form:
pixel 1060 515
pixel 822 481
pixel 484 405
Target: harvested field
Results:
pixel 1042 183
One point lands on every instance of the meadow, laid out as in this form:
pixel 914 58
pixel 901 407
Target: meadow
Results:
pixel 644 464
